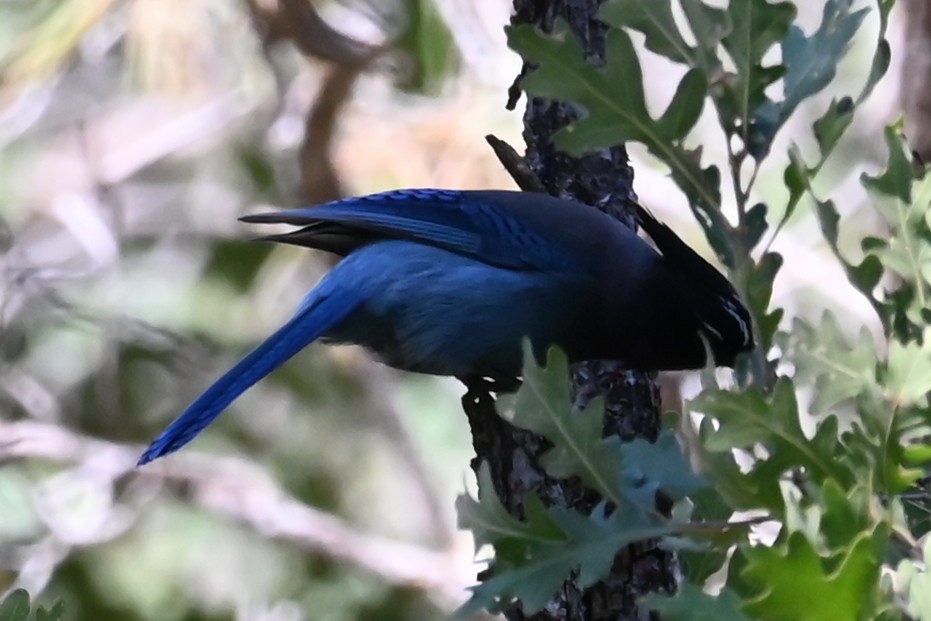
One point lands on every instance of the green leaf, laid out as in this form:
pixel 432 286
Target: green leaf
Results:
pixel 811 64
pixel 54 613
pixel 839 371
pixel 918 583
pixel 15 606
pixel 908 380
pixel 833 123
pixel 623 473
pixel 883 55
pixel 543 406
pixel 896 180
pixel 614 115
pixel 748 418
pixel 686 106
pixel 709 25
pixel 907 248
pixel 754 225
pixel 491 523
pixel 617 115
pixel 654 18
pixel 589 547
pixel 757 25
pixel 660 465
pixel 428 45
pixel 796 583
pixel 845 513
pixel 728 482
pixel 690 603
pixel 796 177
pixel 865 276
pixel 705 203
pixel 874 446
pixel 759 291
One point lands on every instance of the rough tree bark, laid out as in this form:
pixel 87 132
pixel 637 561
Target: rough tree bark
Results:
pixel 603 179
pixel 916 76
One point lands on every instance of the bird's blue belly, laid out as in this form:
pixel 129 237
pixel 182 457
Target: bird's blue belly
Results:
pixel 429 310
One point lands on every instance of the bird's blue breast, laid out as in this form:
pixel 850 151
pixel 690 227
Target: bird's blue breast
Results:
pixel 430 310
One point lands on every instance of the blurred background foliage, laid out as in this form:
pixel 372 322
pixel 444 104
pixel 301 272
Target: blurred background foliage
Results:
pixel 133 133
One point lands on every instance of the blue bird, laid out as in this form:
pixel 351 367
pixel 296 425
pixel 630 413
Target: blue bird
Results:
pixel 450 282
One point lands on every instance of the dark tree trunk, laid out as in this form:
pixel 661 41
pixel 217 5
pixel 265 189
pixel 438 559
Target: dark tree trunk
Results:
pixel 916 76
pixel 603 179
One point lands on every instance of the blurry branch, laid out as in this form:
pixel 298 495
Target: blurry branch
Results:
pixel 298 21
pixel 236 489
pixel 320 181
pixel 916 77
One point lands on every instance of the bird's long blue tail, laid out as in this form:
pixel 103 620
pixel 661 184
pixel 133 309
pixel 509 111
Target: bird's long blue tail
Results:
pixel 317 315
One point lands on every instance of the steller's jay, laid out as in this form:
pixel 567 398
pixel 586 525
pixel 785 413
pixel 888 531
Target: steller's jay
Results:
pixel 449 283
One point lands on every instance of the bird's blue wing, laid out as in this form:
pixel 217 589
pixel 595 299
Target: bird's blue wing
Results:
pixel 319 313
pixel 467 223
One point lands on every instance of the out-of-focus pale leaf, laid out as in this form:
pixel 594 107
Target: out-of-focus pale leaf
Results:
pixel 839 371
pixel 908 380
pixel 919 584
pixel 20 520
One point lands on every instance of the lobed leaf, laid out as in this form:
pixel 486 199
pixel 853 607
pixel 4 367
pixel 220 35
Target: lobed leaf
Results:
pixel 795 582
pixel 810 65
pixel 839 371
pixel 589 546
pixel 690 603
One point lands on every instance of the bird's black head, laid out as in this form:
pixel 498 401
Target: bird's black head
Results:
pixel 723 321
pixel 699 300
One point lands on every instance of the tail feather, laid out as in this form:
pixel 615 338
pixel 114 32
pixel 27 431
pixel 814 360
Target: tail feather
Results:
pixel 313 318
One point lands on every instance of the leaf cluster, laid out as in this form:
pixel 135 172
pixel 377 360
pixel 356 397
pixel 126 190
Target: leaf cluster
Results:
pixel 534 556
